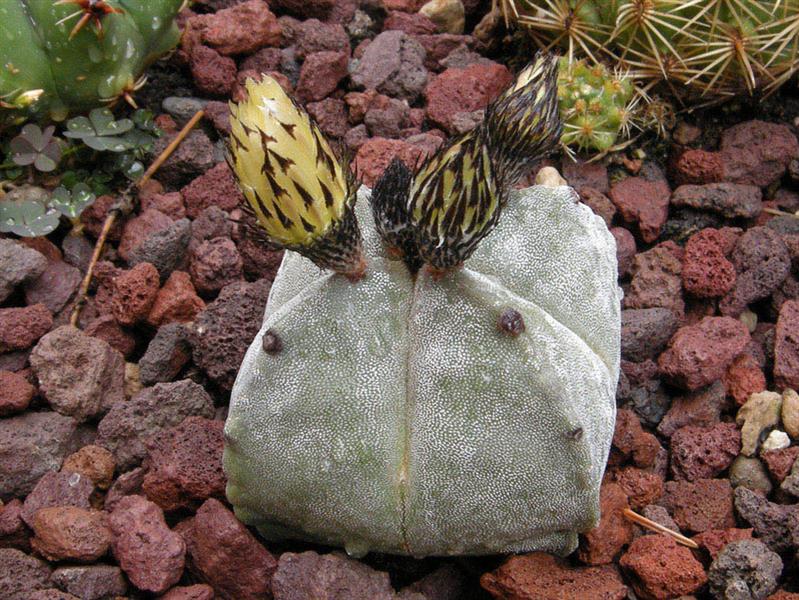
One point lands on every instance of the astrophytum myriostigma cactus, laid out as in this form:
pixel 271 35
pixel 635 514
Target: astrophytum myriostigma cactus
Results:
pixel 438 410
pixel 63 56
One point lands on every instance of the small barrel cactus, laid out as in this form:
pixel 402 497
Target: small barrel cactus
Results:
pixel 64 56
pixel 703 49
pixel 435 403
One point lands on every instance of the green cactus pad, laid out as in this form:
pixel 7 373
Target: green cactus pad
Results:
pixel 39 60
pixel 397 416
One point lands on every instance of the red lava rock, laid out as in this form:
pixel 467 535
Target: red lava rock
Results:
pixel 214 264
pixel 240 29
pixel 95 214
pixel 212 222
pixel 55 287
pixel 375 155
pixel 200 591
pixel 541 576
pixel 93 462
pixel 320 75
pixel 699 354
pixel 18 264
pixel 387 117
pixel 228 556
pixel 700 505
pixel 80 376
pixel 701 408
pixel 743 378
pixel 392 64
pixel 706 272
pixel 756 152
pixel 217 187
pixel 141 227
pixel 641 487
pixel 57 489
pixel 714 540
pixel 134 293
pixel 106 328
pixel 307 8
pixel 151 555
pixel 600 545
pixel 643 202
pixel 779 462
pixel 463 91
pixel 661 568
pixel 129 423
pixel 13 532
pixel 70 533
pixel 185 464
pixel 703 452
pixel 656 280
pixel 213 73
pixel 410 23
pixel 176 302
pixel 91 581
pixel 762 261
pixel 698 167
pixel 410 6
pixel 331 116
pixel 15 393
pixel 440 46
pixel 259 261
pixel 166 355
pixel 194 156
pixel 598 202
pixel 783 595
pixel 358 103
pixel 218 114
pixel 646 331
pixel 632 441
pixel 625 249
pixel 581 174
pixel 126 484
pixel 316 36
pixel 786 346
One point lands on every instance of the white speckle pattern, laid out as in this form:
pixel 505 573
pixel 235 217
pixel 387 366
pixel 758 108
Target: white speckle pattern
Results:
pixel 398 418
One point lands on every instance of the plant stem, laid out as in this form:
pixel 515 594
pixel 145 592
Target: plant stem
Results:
pixel 125 205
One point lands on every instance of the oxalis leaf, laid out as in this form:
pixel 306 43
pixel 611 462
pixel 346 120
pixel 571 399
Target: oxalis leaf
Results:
pixel 100 131
pixel 27 218
pixel 36 147
pixel 72 204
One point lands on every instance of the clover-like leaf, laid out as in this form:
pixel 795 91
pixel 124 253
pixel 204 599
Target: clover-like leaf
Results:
pixel 27 218
pixel 36 147
pixel 72 204
pixel 100 131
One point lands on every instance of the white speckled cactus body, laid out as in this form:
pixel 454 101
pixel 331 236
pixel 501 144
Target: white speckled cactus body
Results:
pixel 398 417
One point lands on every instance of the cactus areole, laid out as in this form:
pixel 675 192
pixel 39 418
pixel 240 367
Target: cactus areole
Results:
pixel 63 56
pixel 400 415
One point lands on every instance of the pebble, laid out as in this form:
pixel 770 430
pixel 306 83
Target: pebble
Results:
pixel 15 393
pixel 18 264
pixel 730 200
pixel 645 332
pixel 21 574
pixel 176 302
pixel 92 582
pixel 642 202
pixel 457 91
pixel 661 568
pixel 150 554
pixel 393 64
pixel 776 440
pixel 193 158
pixel 744 569
pixel 776 525
pixel 700 505
pixel 703 452
pixel 71 533
pixel 185 464
pixel 165 249
pixel 79 375
pixel 166 355
pixel 791 483
pixel 448 15
pixel 54 287
pixel 749 472
pixel 761 412
pixel 790 412
pixel 440 46
pixel 63 488
pixel 93 462
pixel 545 577
pixel 128 424
pixel 756 152
pixel 786 349
pixel 183 108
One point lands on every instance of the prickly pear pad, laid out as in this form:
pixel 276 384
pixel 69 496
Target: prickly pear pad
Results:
pixel 398 417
